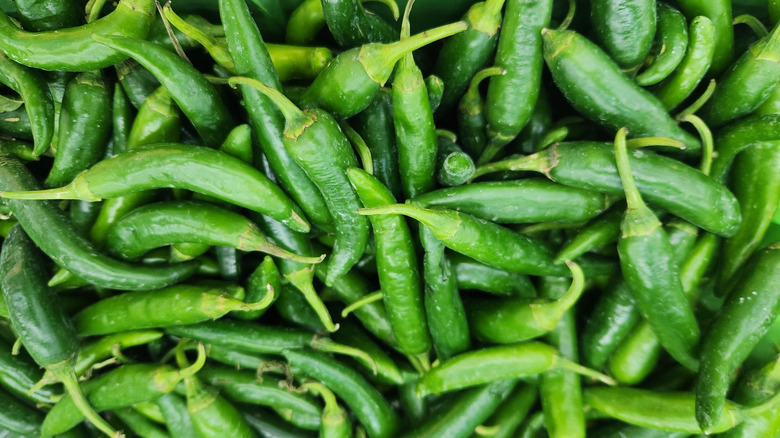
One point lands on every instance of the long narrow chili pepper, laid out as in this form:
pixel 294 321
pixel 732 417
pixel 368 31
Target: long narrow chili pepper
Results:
pixel 19 417
pixel 747 84
pixel 166 223
pixel 368 404
pixel 38 102
pixel 741 135
pixel 44 50
pixel 72 251
pixel 671 41
pixel 199 169
pixel 596 87
pixel 648 267
pixel 177 419
pixel 507 417
pixel 473 275
pixel 196 97
pixel 368 68
pixel 444 310
pixel 518 319
pixel 84 128
pixel 252 60
pixel 19 375
pixel 464 54
pixel 351 25
pixel 325 163
pixel 719 12
pixel 38 319
pixel 399 277
pixel 520 54
pixel 471 113
pixel 672 411
pixel 123 386
pixel 413 120
pixel 736 328
pixel 149 309
pixel 663 182
pixel 518 201
pixel 489 364
pixel 753 389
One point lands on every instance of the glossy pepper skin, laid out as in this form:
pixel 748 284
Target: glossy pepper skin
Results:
pixel 752 305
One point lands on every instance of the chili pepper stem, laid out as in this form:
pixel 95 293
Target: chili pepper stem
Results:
pixel 472 99
pixel 296 120
pixel 76 190
pixel 534 162
pixel 378 59
pixel 301 280
pixel 63 372
pixel 259 243
pixel 328 346
pixel 633 199
pixel 405 26
pixel 548 314
pixel 427 217
pixel 267 300
pixel 368 299
pixel 585 371
pixel 493 7
pixel 706 141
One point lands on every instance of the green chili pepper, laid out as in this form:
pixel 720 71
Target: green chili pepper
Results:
pixel 518 201
pixel 625 28
pixel 399 277
pixel 196 97
pixel 120 387
pixel 375 125
pixel 45 50
pixel 465 413
pixel 136 81
pixel 19 375
pixel 18 417
pixel 719 12
pixel 737 327
pixel 489 364
pixel 453 166
pixel 753 389
pixel 335 420
pixel 756 185
pixel 671 41
pixel 139 424
pixel 149 309
pixel 648 267
pixel 84 128
pixel 471 113
pixel 664 182
pixel 599 231
pixel 351 25
pixel 38 16
pixel 508 416
pixel 670 411
pixel 325 163
pixel 596 87
pixel 177 419
pixel 199 169
pixel 368 68
pixel 511 320
pixel 444 310
pixel 471 274
pixel 252 60
pixel 511 97
pixel 368 404
pixel 39 321
pixel 165 223
pixel 747 84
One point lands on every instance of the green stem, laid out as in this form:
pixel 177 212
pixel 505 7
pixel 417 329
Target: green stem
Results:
pixel 493 7
pixel 368 299
pixel 360 146
pixel 654 141
pixel 93 9
pixel 292 114
pixel 405 26
pixel 377 58
pixel 176 45
pixel 315 302
pixel 78 189
pixel 327 395
pixel 698 103
pixel 706 141
pixel 267 300
pixel 217 51
pixel 753 23
pixel 440 221
pixel 276 251
pixel 633 199
pixel 569 15
pixel 63 371
pixel 328 346
pixel 555 136
pixel 534 162
pixel 548 314
pixel 390 4
pixel 447 134
pixel 585 371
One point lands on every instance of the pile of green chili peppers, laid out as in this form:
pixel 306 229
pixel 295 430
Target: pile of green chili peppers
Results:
pixel 344 218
